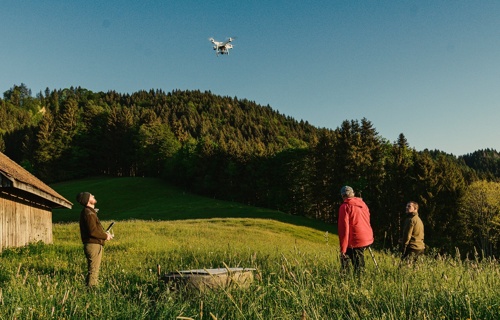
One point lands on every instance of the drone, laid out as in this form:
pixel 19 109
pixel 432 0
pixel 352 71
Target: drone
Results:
pixel 222 47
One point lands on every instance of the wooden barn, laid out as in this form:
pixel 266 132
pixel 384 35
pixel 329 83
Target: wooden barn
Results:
pixel 26 205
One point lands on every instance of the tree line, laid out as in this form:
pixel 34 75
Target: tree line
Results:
pixel 235 149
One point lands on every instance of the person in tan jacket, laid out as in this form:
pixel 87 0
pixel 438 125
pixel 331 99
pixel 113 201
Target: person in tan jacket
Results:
pixel 412 237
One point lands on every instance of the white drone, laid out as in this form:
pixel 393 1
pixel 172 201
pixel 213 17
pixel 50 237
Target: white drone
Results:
pixel 222 47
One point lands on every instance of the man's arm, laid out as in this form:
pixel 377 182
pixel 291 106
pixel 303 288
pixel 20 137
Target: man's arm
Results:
pixel 95 229
pixel 343 229
pixel 407 233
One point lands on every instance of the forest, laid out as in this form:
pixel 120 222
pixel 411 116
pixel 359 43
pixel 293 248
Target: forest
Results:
pixel 234 149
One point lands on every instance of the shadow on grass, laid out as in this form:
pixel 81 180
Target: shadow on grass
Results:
pixel 154 199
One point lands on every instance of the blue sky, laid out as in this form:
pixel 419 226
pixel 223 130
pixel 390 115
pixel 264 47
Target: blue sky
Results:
pixel 427 69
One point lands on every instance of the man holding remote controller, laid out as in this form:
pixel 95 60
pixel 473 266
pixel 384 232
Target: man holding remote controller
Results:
pixel 93 236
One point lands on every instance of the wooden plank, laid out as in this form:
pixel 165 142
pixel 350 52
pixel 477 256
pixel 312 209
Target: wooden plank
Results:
pixel 41 226
pixel 2 222
pixel 61 202
pixel 11 226
pixel 22 236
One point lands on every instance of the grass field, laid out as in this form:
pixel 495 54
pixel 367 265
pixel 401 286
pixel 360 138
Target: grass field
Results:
pixel 296 262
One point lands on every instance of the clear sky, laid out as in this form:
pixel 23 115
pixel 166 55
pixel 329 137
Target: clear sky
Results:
pixel 427 69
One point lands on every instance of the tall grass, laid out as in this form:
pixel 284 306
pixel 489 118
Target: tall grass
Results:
pixel 297 276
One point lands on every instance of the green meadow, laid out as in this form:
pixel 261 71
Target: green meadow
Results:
pixel 295 259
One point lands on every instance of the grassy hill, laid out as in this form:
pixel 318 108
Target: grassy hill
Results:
pixel 295 260
pixel 154 199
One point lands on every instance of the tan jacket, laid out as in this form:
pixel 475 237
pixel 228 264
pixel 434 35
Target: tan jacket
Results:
pixel 413 233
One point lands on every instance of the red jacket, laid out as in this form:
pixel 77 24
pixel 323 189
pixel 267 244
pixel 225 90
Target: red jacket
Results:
pixel 354 226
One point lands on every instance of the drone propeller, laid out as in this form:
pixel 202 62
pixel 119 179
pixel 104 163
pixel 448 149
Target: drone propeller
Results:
pixel 228 40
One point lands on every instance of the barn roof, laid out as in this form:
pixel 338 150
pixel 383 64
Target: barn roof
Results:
pixel 23 180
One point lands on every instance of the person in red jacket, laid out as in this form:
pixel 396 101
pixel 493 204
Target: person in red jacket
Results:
pixel 93 236
pixel 355 231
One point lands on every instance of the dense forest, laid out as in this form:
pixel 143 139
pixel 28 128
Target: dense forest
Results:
pixel 235 149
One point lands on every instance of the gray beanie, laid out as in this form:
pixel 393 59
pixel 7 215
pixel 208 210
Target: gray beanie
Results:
pixel 347 191
pixel 83 198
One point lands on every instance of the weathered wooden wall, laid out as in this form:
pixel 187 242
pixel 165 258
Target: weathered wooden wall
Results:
pixel 22 222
